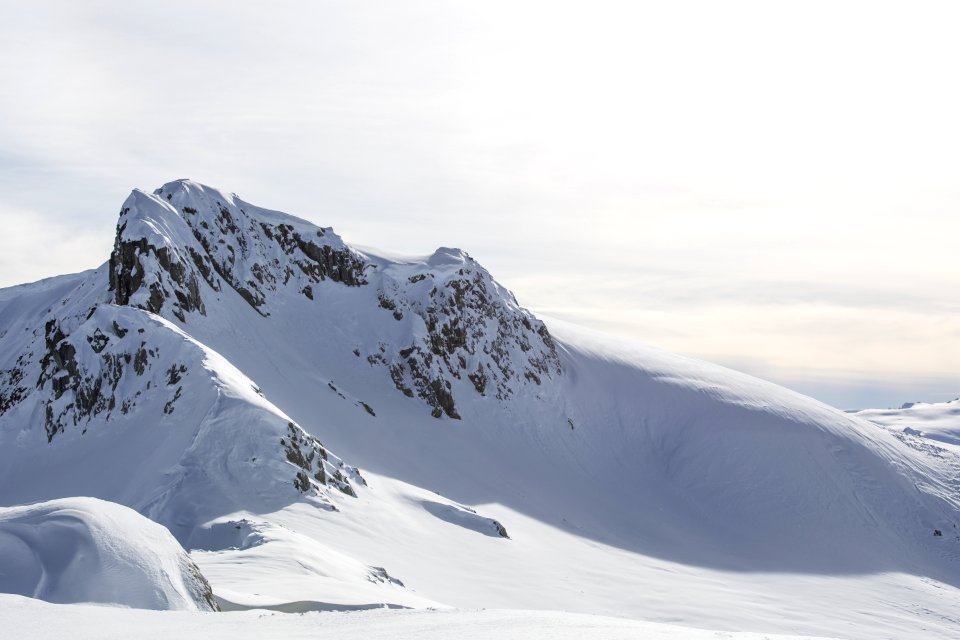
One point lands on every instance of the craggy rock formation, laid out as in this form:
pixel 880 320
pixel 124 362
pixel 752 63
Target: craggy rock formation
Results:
pixel 185 233
pixel 101 369
pixel 173 282
pixel 316 465
pixel 474 331
pixel 114 365
pixel 186 243
pixel 179 249
pixel 81 386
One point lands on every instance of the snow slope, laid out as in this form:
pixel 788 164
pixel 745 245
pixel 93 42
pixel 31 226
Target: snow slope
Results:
pixel 38 620
pixel 157 415
pixel 89 550
pixel 628 481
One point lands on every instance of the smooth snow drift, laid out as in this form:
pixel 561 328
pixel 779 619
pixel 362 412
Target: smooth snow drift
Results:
pixel 35 619
pixel 90 550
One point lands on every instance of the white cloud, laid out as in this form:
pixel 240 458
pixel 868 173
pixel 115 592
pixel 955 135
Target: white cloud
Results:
pixel 640 163
pixel 33 247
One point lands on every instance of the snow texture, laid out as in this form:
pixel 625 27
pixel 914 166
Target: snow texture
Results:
pixel 88 550
pixel 35 620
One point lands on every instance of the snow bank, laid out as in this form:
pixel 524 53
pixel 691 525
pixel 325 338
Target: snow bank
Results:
pixel 89 550
pixel 31 619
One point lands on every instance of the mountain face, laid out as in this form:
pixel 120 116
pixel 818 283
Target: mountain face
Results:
pixel 99 372
pixel 186 243
pixel 207 373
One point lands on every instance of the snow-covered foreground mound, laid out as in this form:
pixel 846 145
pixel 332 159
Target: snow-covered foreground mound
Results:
pixel 34 619
pixel 90 550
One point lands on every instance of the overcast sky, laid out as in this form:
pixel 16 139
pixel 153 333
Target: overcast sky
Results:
pixel 772 186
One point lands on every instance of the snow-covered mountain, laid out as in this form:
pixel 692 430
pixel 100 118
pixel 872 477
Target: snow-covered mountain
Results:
pixel 917 422
pixel 325 426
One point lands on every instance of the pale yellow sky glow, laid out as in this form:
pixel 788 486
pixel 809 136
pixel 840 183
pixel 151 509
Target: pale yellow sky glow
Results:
pixel 773 186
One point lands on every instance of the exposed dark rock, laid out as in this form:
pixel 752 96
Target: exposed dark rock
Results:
pixel 169 406
pixel 304 451
pixel 301 482
pixel 117 329
pixel 140 359
pixel 174 374
pixel 236 242
pixel 206 591
pixel 98 341
pixel 250 298
pixel 340 265
pixel 206 269
pixel 437 394
pixel 128 270
pixel 396 374
pixel 479 379
pixel 473 330
pixel 381 575
pixel 90 391
pixel 11 391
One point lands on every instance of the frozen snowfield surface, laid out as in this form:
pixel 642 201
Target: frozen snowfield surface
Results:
pixel 327 428
pixel 34 619
pixel 90 550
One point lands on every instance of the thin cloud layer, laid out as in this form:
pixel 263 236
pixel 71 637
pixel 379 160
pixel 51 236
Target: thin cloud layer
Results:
pixel 751 183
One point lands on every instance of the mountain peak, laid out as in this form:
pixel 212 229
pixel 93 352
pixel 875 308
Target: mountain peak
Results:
pixel 183 234
pixel 454 329
pixel 183 184
pixel 448 256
